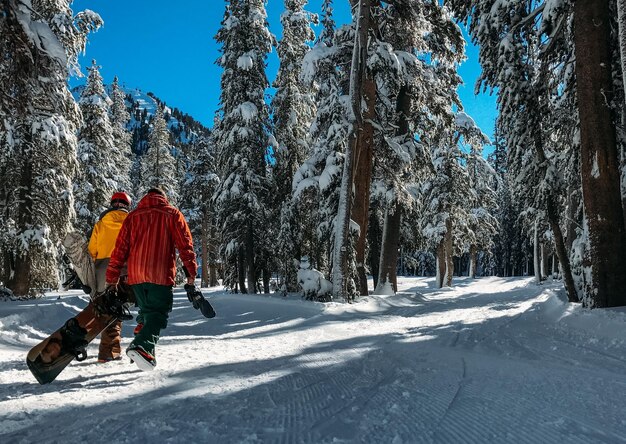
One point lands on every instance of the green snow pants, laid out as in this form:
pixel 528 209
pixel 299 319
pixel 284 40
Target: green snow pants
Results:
pixel 155 302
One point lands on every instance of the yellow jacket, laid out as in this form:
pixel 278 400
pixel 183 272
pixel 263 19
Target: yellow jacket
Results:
pixel 105 233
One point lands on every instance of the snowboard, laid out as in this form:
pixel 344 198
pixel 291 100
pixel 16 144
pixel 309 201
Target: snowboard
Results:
pixel 47 359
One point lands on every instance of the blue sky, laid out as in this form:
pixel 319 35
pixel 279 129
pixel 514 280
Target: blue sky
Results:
pixel 169 50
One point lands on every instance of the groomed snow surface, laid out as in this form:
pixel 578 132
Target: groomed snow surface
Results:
pixel 491 360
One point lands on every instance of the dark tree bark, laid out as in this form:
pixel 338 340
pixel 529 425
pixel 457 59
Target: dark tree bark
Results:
pixel 344 212
pixel 20 280
pixel 250 266
pixel 389 251
pixel 472 262
pixel 441 263
pixel 364 149
pixel 266 280
pixel 204 246
pixel 374 238
pixel 448 249
pixel 241 269
pixel 599 161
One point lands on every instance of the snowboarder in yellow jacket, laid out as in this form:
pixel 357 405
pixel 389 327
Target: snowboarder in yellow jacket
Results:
pixel 101 245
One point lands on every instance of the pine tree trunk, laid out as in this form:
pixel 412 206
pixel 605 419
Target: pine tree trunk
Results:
pixel 20 280
pixel 241 269
pixel 441 263
pixel 357 80
pixel 536 254
pixel 392 223
pixel 599 162
pixel 266 280
pixel 250 266
pixel 621 22
pixel 545 260
pixel 553 221
pixel 364 149
pixel 374 235
pixel 472 262
pixel 449 254
pixel 389 251
pixel 204 282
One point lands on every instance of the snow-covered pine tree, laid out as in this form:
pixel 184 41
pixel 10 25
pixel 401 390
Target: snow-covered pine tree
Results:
pixel 447 217
pixel 316 183
pixel 198 188
pixel 39 43
pixel 242 138
pixel 507 254
pixel 158 166
pixel 293 109
pixel 95 181
pixel 122 138
pixel 483 223
pixel 522 44
pixel 415 61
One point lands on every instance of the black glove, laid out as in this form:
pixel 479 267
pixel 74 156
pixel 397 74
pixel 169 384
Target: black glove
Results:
pixel 197 300
pixel 111 303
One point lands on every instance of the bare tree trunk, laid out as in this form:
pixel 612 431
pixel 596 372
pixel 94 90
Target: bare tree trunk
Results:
pixel 204 282
pixel 449 254
pixel 472 262
pixel 364 147
pixel 553 221
pixel 374 235
pixel 19 283
pixel 537 254
pixel 357 81
pixel 599 162
pixel 250 266
pixel 241 269
pixel 20 280
pixel 266 280
pixel 391 236
pixel 441 263
pixel 389 251
pixel 545 260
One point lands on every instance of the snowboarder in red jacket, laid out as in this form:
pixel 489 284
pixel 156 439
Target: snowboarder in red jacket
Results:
pixel 146 244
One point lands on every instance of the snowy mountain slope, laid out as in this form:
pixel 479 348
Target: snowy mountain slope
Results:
pixel 183 128
pixel 492 360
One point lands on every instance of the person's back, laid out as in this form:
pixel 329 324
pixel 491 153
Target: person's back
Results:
pixel 101 244
pixel 155 229
pixel 147 243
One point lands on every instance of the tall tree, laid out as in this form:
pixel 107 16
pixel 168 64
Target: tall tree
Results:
pixel 316 183
pixel 523 48
pixel 242 136
pixel 123 155
pixel 598 153
pixel 96 179
pixel 293 109
pixel 417 57
pixel 158 168
pixel 39 43
pixel 198 188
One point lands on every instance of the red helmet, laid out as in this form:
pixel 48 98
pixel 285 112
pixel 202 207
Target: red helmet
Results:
pixel 120 198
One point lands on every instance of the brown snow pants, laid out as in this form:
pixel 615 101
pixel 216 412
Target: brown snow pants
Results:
pixel 110 338
pixel 110 342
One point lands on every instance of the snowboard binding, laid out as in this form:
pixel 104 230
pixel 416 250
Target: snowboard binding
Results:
pixel 112 302
pixel 73 339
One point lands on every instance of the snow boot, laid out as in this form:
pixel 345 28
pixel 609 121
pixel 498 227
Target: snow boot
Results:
pixel 144 360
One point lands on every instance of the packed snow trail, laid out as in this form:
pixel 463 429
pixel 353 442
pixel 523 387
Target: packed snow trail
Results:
pixel 491 360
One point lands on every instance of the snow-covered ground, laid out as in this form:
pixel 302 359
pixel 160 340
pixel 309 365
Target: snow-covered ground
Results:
pixel 491 360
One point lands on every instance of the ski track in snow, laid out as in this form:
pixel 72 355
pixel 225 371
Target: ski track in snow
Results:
pixel 489 361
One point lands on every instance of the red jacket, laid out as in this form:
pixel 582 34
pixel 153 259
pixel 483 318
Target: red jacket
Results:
pixel 147 243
